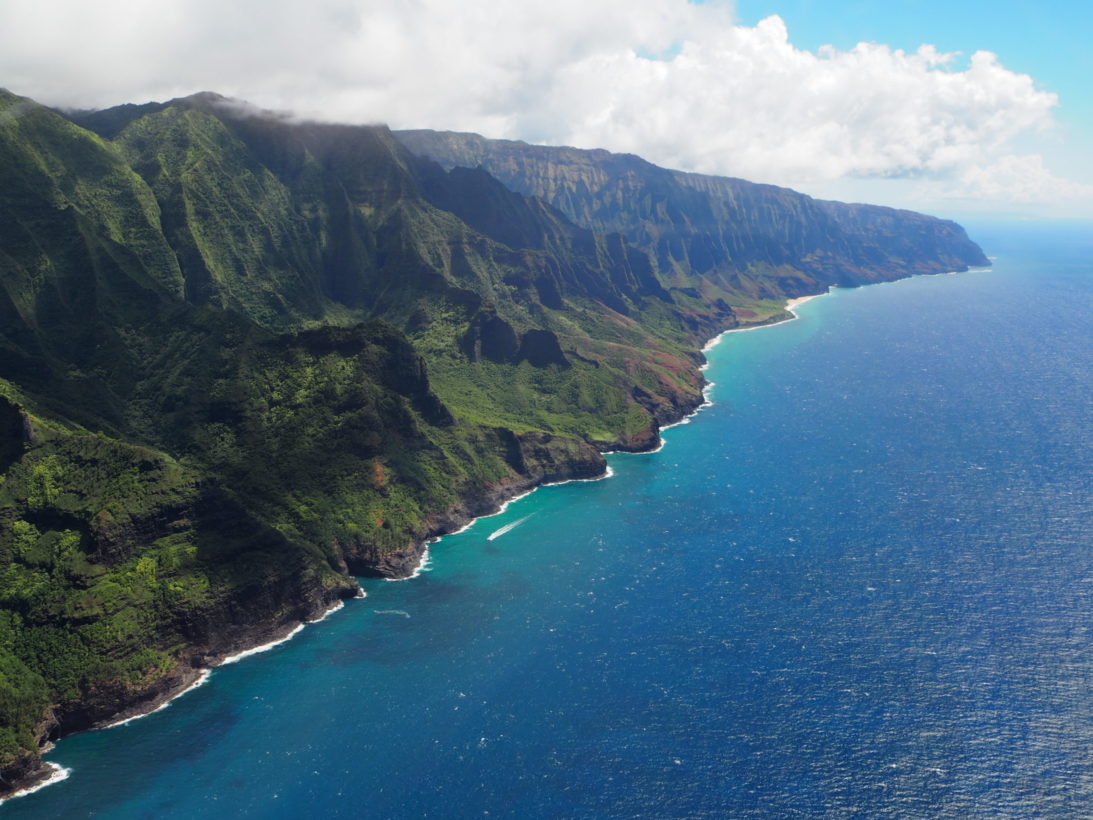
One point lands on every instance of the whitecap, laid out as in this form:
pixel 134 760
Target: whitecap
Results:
pixel 201 679
pixel 58 774
pixel 246 653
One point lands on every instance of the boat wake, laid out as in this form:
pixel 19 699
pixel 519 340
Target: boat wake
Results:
pixel 507 528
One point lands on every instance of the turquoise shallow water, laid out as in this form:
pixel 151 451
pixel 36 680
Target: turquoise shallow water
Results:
pixel 859 585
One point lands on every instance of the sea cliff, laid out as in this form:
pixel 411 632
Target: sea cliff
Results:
pixel 246 359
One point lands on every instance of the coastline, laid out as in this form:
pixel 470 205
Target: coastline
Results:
pixel 426 556
pixel 193 677
pixel 797 301
pixel 712 343
pixel 190 678
pixel 47 774
pixel 202 678
pixel 203 674
pixel 772 322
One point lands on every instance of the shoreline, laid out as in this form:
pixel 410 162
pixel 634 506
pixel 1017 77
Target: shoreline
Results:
pixel 426 556
pixel 790 308
pixel 203 674
pixel 59 772
pixel 202 678
pixel 797 301
pixel 714 342
pixel 54 773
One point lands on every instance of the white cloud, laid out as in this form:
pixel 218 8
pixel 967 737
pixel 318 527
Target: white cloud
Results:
pixel 745 101
pixel 729 99
pixel 1017 179
pixel 1008 184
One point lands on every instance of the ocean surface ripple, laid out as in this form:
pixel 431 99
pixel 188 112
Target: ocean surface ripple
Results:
pixel 860 584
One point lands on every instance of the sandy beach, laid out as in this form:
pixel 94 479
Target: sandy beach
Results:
pixel 790 305
pixel 800 300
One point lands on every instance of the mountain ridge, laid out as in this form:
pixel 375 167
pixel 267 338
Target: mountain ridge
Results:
pixel 723 228
pixel 245 358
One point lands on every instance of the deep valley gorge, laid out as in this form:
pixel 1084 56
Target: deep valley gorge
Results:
pixel 246 359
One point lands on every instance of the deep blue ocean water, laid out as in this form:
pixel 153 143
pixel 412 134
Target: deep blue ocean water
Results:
pixel 859 585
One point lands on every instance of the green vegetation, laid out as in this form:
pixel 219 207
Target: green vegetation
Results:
pixel 243 359
pixel 720 237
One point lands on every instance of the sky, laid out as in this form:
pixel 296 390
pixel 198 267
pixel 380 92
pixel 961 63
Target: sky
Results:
pixel 954 108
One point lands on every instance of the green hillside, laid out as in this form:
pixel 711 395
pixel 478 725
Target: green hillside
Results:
pixel 752 239
pixel 244 359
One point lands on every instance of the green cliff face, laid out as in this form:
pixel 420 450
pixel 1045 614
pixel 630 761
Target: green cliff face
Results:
pixel 243 359
pixel 757 240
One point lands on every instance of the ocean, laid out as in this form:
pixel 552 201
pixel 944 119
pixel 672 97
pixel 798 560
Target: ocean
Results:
pixel 860 584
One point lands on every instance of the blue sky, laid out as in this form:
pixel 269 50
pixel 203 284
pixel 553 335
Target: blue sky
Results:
pixel 1051 42
pixel 775 91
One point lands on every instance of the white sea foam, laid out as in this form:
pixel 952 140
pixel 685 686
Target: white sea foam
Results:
pixel 710 345
pixel 401 612
pixel 505 504
pixel 605 475
pixel 426 558
pixel 423 565
pixel 790 305
pixel 507 528
pixel 246 653
pixel 685 420
pixel 202 677
pixel 337 606
pixel 464 528
pixel 58 774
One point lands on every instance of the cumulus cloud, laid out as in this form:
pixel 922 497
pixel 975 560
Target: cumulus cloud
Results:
pixel 1018 179
pixel 744 100
pixel 720 98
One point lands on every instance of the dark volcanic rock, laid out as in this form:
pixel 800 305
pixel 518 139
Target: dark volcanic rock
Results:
pixel 540 348
pixel 214 327
pixel 536 458
pixel 15 433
